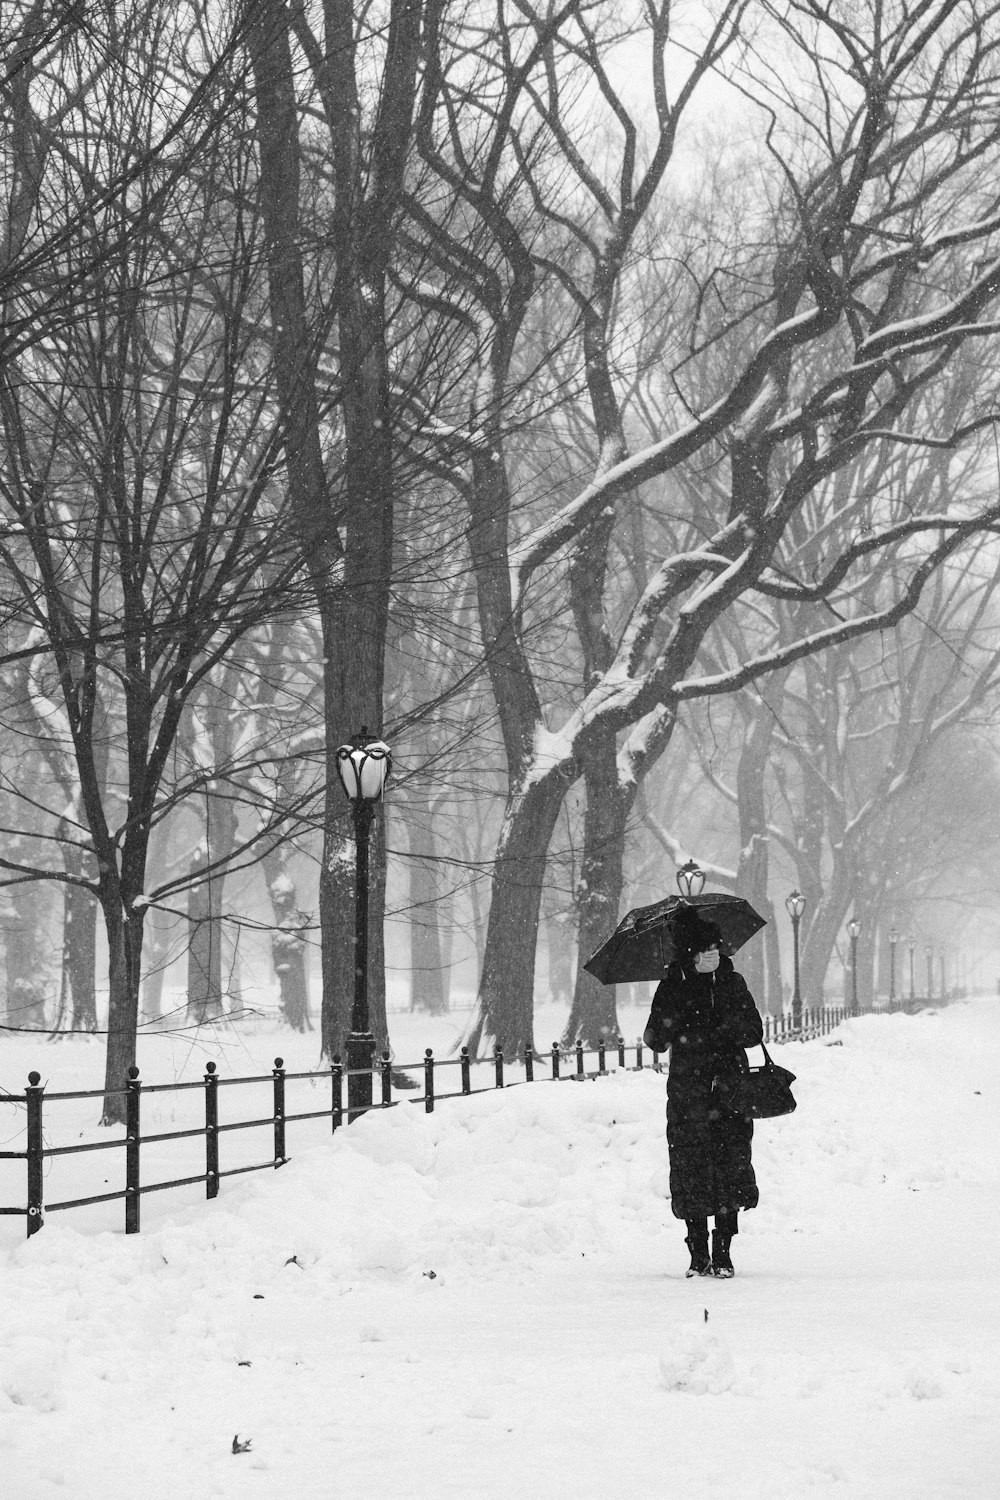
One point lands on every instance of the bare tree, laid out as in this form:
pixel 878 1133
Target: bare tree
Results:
pixel 139 508
pixel 842 328
pixel 363 74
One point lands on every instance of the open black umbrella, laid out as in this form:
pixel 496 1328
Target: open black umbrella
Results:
pixel 642 944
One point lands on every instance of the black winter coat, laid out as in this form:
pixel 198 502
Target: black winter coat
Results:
pixel 706 1020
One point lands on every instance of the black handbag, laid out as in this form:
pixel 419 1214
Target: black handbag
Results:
pixel 759 1093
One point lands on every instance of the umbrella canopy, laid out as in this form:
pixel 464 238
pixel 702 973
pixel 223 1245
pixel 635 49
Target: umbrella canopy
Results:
pixel 643 944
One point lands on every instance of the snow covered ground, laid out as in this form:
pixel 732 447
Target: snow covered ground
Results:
pixel 490 1300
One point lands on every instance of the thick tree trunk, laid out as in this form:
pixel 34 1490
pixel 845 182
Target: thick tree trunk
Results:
pixel 507 987
pixel 78 998
pixel 428 975
pixel 204 986
pixel 288 943
pixel 25 988
pixel 594 1013
pixel 560 944
pixel 124 936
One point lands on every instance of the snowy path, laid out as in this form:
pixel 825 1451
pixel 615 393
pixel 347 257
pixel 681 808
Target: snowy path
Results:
pixel 558 1349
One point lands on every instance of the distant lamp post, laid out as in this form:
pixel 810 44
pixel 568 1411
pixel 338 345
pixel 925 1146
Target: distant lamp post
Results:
pixel 911 945
pixel 795 904
pixel 690 879
pixel 854 930
pixel 893 940
pixel 363 768
pixel 929 955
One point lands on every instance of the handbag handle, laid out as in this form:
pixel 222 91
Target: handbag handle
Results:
pixel 768 1060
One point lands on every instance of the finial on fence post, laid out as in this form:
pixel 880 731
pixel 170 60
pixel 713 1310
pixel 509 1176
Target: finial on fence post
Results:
pixel 132 1138
pixel 35 1152
pixel 211 1131
pixel 337 1093
pixel 278 1074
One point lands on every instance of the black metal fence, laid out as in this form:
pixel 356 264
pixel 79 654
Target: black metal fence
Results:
pixel 435 1073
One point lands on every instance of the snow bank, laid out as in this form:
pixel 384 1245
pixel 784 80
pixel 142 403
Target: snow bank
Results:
pixel 490 1300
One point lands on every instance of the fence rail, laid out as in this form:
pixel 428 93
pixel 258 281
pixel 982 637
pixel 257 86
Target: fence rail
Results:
pixel 558 1064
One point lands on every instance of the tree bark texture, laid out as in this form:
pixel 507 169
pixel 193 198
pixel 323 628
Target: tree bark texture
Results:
pixel 507 987
pixel 428 961
pixel 289 950
pixel 204 986
pixel 78 990
pixel 593 1016
pixel 25 963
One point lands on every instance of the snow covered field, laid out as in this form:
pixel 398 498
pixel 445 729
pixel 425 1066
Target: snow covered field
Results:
pixel 490 1301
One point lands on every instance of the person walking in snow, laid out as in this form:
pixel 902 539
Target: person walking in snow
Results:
pixel 703 1012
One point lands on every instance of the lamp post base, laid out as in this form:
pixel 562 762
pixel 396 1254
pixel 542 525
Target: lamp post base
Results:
pixel 360 1048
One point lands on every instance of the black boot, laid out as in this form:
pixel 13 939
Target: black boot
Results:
pixel 722 1265
pixel 697 1242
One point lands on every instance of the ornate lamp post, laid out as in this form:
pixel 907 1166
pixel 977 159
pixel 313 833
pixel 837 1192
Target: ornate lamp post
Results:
pixel 893 940
pixel 854 929
pixel 795 904
pixel 911 945
pixel 690 879
pixel 363 768
pixel 929 955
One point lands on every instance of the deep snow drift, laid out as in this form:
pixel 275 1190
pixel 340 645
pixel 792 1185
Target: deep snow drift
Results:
pixel 490 1301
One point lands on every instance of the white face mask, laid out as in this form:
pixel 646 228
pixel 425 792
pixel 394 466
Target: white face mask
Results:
pixel 707 962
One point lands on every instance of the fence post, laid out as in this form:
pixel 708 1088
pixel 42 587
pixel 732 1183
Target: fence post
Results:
pixel 621 1051
pixel 466 1077
pixel 600 1057
pixel 133 1090
pixel 428 1081
pixel 386 1067
pixel 278 1073
pixel 638 1055
pixel 33 1095
pixel 529 1063
pixel 555 1060
pixel 211 1131
pixel 336 1093
pixel 579 1058
pixel 498 1061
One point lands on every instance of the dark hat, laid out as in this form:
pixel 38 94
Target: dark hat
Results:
pixel 692 934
